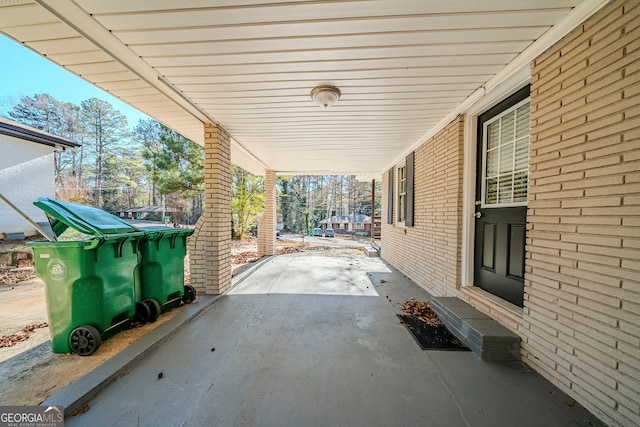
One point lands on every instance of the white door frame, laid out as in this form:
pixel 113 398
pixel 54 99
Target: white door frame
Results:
pixel 517 80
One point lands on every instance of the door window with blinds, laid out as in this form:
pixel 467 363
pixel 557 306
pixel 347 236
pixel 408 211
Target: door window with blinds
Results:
pixel 505 160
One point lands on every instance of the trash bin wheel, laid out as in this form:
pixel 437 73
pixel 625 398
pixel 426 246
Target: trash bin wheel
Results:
pixel 143 312
pixel 84 340
pixel 189 294
pixel 155 309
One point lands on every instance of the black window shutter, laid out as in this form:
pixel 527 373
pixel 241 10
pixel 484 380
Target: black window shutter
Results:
pixel 390 197
pixel 409 168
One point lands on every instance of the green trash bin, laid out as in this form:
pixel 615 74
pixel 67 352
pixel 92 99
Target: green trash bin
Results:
pixel 161 269
pixel 90 282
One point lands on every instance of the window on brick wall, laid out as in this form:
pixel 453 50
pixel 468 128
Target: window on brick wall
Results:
pixel 506 158
pixel 402 193
pixel 358 226
pixel 390 193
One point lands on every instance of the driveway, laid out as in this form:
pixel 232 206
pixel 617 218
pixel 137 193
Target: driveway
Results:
pixel 340 240
pixel 312 340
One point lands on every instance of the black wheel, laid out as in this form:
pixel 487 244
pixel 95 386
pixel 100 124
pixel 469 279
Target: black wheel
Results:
pixel 143 312
pixel 154 306
pixel 84 340
pixel 189 294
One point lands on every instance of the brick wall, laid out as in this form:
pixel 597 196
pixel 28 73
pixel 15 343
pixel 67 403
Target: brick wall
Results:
pixel 582 289
pixel 429 252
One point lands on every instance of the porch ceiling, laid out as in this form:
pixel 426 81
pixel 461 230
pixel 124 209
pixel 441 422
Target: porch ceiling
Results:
pixel 249 65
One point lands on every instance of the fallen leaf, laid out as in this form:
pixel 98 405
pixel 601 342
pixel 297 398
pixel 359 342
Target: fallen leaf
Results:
pixel 421 310
pixel 23 335
pixel 81 410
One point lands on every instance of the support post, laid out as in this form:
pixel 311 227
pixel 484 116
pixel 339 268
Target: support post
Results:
pixel 373 209
pixel 267 224
pixel 210 245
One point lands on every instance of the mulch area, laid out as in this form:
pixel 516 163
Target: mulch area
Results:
pixel 426 328
pixel 283 248
pixel 244 257
pixel 289 250
pixel 248 257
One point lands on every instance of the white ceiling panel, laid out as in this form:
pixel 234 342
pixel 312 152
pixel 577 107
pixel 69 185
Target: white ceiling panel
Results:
pixel 250 13
pixel 54 46
pixel 324 42
pixel 294 29
pixel 249 65
pixel 52 30
pixel 109 67
pixel 25 14
pixel 371 53
pixel 439 64
pixel 80 57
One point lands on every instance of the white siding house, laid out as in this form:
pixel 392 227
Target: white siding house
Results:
pixel 26 173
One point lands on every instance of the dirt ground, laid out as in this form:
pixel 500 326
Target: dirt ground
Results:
pixel 22 304
pixel 32 376
pixel 22 300
pixel 30 372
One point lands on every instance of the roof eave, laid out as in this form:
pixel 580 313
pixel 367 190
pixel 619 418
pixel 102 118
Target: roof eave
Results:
pixel 39 137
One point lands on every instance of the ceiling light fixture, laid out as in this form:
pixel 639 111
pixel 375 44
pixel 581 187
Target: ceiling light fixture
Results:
pixel 325 96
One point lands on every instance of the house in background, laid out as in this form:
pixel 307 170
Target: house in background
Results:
pixel 256 220
pixel 359 224
pixel 26 173
pixel 145 212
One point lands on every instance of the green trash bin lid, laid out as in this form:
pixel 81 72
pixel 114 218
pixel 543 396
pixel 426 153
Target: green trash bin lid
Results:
pixel 85 219
pixel 155 232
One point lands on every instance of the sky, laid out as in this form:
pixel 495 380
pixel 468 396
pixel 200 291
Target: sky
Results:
pixel 25 73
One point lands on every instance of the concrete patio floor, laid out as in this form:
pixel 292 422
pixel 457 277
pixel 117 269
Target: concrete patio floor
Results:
pixel 312 340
